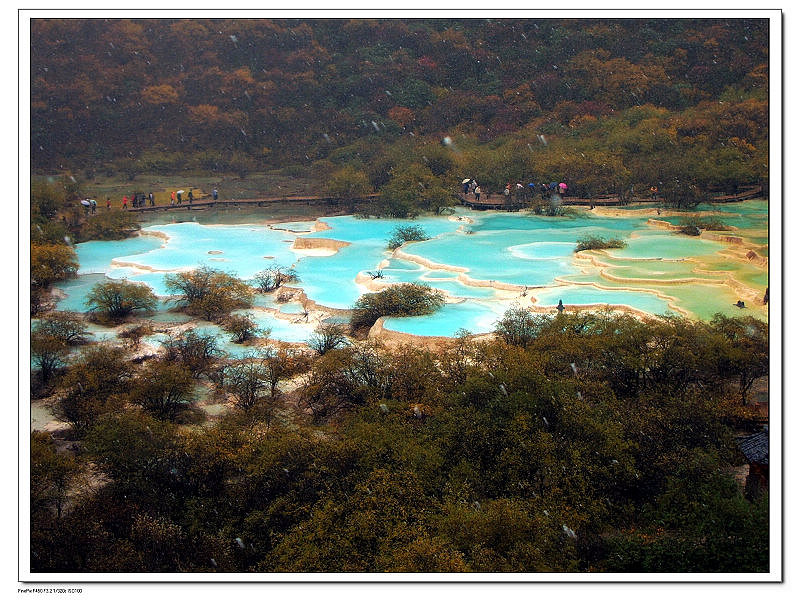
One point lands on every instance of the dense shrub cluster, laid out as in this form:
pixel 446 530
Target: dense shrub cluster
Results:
pixel 695 225
pixel 598 243
pixel 408 233
pixel 108 225
pixel 403 300
pixel 116 300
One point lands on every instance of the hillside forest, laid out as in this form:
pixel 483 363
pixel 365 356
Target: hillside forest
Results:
pixel 360 106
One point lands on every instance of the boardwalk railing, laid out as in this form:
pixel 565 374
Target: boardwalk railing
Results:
pixel 512 203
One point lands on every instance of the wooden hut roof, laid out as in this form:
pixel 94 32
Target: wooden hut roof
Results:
pixel 755 447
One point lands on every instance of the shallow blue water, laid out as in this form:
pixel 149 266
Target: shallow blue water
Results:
pixel 243 249
pixel 472 316
pixel 377 232
pixel 583 295
pixel 265 301
pixel 279 329
pixel 76 290
pixel 543 250
pixel 407 272
pixel 154 280
pixel 291 308
pixel 666 245
pixel 487 260
pixel 330 280
pixel 439 275
pixel 520 249
pixel 517 249
pixel 157 339
pixel 282 329
pixel 95 256
pixel 99 333
pixel 459 290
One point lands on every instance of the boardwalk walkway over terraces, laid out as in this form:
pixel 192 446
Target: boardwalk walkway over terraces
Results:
pixel 486 202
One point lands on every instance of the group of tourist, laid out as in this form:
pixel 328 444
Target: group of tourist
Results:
pixel 518 191
pixel 471 187
pixel 176 197
pixel 89 205
pixel 139 200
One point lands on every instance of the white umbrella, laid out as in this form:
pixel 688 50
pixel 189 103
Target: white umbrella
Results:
pixel 179 192
pixel 86 203
pixel 467 180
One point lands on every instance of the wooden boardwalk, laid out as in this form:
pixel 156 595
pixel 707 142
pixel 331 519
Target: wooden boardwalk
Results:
pixel 748 194
pixel 207 202
pixel 501 202
pixel 492 202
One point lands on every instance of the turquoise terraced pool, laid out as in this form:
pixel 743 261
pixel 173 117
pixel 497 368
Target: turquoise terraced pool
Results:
pixel 483 262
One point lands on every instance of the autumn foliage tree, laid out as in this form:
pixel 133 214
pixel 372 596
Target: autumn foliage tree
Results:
pixel 94 385
pixel 348 183
pixel 163 389
pixel 209 293
pixel 51 263
pixel 117 300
